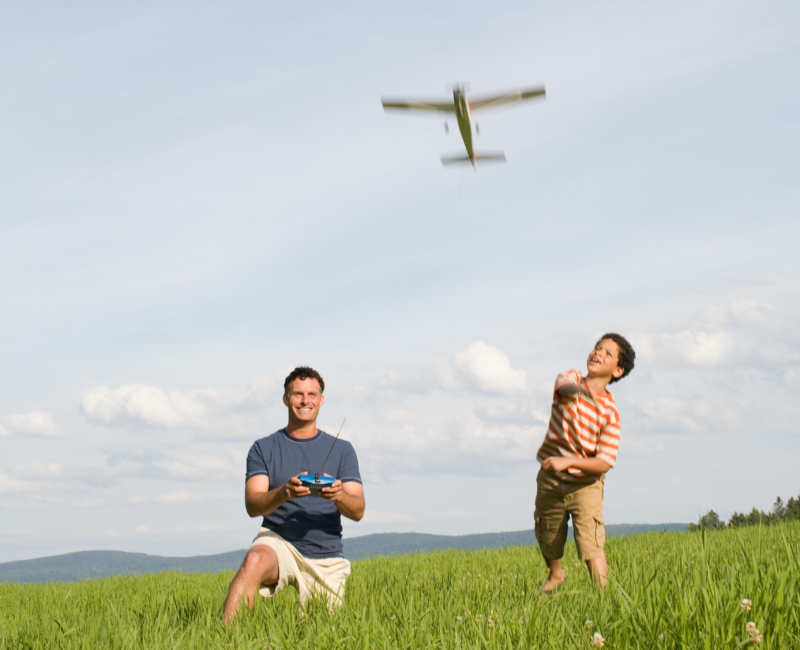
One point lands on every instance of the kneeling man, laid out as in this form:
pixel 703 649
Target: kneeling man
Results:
pixel 300 541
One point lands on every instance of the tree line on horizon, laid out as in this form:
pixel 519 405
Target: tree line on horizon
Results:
pixel 781 511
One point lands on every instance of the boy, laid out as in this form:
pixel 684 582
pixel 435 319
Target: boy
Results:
pixel 580 447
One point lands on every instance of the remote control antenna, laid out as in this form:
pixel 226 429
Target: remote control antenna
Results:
pixel 316 476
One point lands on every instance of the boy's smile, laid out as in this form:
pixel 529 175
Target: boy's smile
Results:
pixel 603 361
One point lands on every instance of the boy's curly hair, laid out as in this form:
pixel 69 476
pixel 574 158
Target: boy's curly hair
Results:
pixel 626 353
pixel 304 372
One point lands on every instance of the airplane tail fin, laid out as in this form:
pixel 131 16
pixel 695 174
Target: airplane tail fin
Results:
pixel 482 157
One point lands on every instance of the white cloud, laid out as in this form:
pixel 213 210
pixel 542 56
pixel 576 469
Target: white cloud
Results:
pixel 11 485
pixel 486 368
pixel 478 368
pixel 181 464
pixel 39 471
pixel 691 347
pixel 757 314
pixel 746 333
pixel 671 414
pixel 4 433
pixel 35 423
pixel 146 406
pixel 184 496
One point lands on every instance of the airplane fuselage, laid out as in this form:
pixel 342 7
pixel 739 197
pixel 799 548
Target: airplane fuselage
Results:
pixel 464 118
pixel 462 109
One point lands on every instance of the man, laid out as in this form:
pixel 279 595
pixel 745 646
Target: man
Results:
pixel 300 541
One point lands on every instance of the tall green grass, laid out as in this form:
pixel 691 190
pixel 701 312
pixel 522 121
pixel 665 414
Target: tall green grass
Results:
pixel 668 590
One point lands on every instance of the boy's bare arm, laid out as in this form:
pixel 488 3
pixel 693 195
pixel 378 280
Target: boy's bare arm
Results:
pixel 561 464
pixel 567 392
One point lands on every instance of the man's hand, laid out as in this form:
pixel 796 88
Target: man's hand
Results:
pixel 261 501
pixel 348 498
pixel 557 463
pixel 334 492
pixel 294 488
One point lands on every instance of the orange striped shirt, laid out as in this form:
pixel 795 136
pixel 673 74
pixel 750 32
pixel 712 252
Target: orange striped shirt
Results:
pixel 581 428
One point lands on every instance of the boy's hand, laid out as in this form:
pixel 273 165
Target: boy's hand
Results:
pixel 556 463
pixel 568 391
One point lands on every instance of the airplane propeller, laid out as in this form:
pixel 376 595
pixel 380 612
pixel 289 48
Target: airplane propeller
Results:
pixel 446 128
pixel 477 128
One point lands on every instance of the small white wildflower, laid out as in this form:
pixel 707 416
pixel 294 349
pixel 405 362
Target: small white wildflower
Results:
pixel 459 619
pixel 750 628
pixel 491 623
pixel 757 637
pixel 394 618
pixel 597 640
pixel 747 605
pixel 522 621
pixel 589 624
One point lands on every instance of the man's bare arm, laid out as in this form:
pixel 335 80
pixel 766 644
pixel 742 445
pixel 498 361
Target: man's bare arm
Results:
pixel 348 498
pixel 261 501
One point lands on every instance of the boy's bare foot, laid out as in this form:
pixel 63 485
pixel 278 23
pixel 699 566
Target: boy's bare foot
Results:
pixel 553 582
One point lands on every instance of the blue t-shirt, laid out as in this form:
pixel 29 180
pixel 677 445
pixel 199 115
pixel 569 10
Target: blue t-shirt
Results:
pixel 311 524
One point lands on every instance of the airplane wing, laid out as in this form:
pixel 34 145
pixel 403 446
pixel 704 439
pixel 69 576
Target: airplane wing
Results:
pixel 419 105
pixel 496 101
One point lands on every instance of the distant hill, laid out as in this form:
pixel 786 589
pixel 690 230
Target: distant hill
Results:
pixel 72 567
pixel 83 565
pixel 358 548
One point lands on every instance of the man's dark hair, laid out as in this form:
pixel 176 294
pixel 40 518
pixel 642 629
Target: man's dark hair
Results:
pixel 303 372
pixel 626 353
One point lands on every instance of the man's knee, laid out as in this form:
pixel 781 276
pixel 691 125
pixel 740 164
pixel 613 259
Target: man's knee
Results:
pixel 262 562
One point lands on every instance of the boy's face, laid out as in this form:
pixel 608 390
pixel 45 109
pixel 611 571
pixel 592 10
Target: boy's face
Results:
pixel 604 359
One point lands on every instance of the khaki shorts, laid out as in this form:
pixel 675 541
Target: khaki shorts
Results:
pixel 324 576
pixel 556 500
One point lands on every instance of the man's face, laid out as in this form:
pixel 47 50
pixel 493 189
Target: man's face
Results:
pixel 303 397
pixel 603 361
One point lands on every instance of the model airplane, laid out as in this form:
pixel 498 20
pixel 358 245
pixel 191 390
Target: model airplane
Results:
pixel 463 109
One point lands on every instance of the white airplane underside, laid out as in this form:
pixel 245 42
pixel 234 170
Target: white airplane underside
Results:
pixel 463 109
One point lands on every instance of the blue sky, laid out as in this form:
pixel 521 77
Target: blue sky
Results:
pixel 198 197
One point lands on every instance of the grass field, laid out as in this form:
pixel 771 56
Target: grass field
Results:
pixel 668 590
